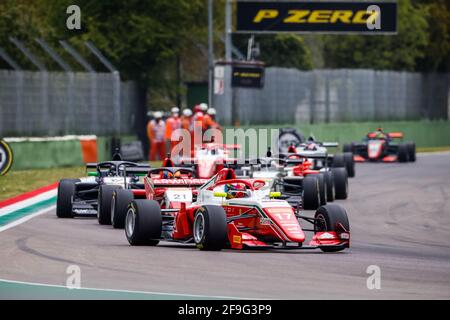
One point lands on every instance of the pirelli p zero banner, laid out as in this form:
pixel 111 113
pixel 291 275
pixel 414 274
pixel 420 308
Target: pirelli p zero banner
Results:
pixel 321 17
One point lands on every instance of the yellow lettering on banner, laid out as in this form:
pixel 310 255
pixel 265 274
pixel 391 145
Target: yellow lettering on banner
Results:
pixel 320 16
pixel 265 14
pixel 297 16
pixel 343 16
pixel 360 17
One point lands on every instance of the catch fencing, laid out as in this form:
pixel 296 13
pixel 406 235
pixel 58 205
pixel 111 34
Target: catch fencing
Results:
pixel 291 96
pixel 57 103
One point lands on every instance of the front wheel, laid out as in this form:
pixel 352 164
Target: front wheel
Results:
pixel 349 164
pixel 121 199
pixel 66 192
pixel 210 228
pixel 143 223
pixel 340 183
pixel 331 218
pixel 403 153
pixel 329 178
pixel 411 146
pixel 105 193
pixel 322 189
pixel 311 193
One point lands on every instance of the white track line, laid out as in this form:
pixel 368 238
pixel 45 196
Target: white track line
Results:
pixel 127 291
pixel 437 153
pixel 28 202
pixel 25 219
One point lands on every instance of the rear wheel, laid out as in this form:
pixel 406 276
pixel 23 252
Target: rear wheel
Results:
pixel 330 185
pixel 349 164
pixel 121 199
pixel 210 228
pixel 105 193
pixel 311 193
pixel 338 161
pixel 348 148
pixel 66 191
pixel 143 223
pixel 322 189
pixel 411 146
pixel 403 153
pixel 331 218
pixel 340 183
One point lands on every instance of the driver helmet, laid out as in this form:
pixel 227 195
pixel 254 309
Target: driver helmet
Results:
pixel 292 149
pixel 177 175
pixel 235 191
pixel 166 175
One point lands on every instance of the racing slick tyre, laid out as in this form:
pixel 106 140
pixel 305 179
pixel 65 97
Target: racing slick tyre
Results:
pixel 349 164
pixel 402 153
pixel 105 193
pixel 348 147
pixel 338 161
pixel 329 218
pixel 411 151
pixel 66 191
pixel 329 178
pixel 322 189
pixel 311 193
pixel 340 183
pixel 121 199
pixel 143 223
pixel 210 228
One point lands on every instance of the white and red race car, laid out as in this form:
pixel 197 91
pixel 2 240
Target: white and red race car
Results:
pixel 236 213
pixel 209 158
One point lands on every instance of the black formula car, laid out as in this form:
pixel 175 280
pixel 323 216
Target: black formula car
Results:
pixel 91 196
pixel 379 146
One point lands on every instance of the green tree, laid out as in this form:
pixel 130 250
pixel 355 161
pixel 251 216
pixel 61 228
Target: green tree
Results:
pixel 394 52
pixel 437 54
pixel 285 50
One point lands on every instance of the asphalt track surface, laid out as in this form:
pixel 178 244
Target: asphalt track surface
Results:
pixel 400 221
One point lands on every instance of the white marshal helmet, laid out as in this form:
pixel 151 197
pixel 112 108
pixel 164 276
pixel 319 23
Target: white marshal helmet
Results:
pixel 158 115
pixel 187 112
pixel 203 107
pixel 212 111
pixel 175 110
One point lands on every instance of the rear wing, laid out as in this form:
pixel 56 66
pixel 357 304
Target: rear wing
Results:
pixel 330 144
pixel 140 169
pixel 179 182
pixel 223 146
pixel 396 135
pixel 316 155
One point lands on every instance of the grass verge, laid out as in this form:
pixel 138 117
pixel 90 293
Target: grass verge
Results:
pixel 433 149
pixel 15 183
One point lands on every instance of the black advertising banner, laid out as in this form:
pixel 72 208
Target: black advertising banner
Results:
pixel 248 76
pixel 321 17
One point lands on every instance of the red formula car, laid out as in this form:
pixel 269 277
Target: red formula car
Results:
pixel 168 186
pixel 238 214
pixel 209 158
pixel 380 146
